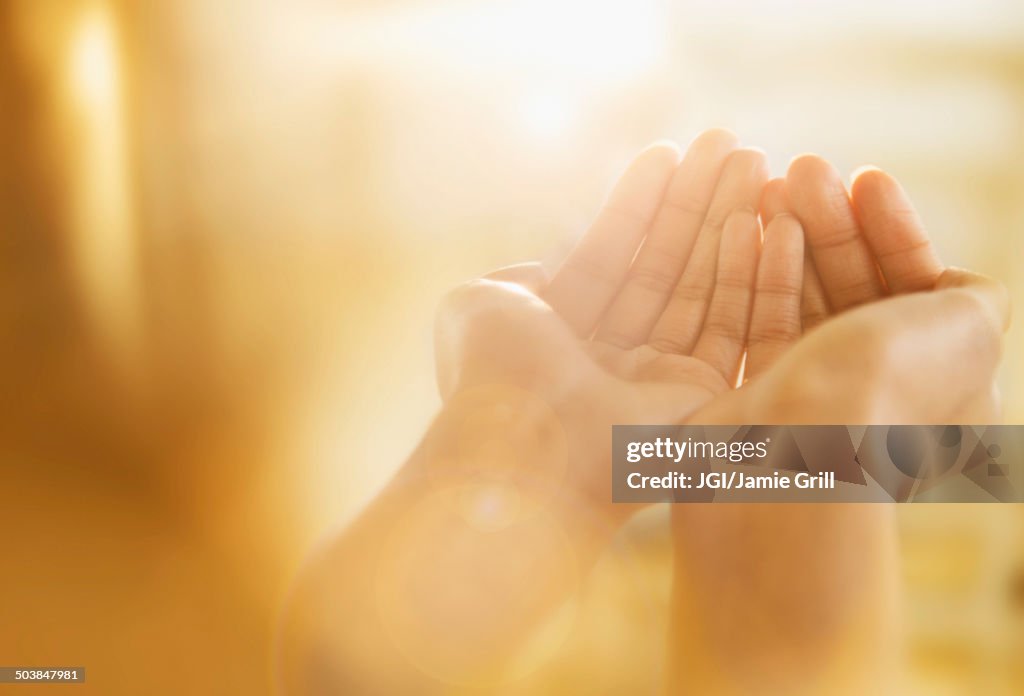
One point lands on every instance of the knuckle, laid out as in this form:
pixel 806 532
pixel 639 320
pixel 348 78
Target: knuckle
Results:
pixel 857 291
pixel 722 326
pixel 618 338
pixel 670 342
pixel 782 290
pixel 887 218
pixel 685 202
pixel 777 332
pixel 843 233
pixel 715 218
pixel 692 292
pixel 628 215
pixel 747 158
pixel 651 278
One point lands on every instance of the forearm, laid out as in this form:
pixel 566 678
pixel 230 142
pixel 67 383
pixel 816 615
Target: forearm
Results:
pixel 455 564
pixel 782 599
pixel 759 587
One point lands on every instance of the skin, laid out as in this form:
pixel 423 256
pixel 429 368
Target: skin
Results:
pixel 807 603
pixel 491 524
pixel 818 612
pixel 524 383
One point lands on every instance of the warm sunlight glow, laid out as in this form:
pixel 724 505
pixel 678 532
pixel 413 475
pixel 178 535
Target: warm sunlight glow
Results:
pixel 93 65
pixel 589 42
pixel 105 248
pixel 547 115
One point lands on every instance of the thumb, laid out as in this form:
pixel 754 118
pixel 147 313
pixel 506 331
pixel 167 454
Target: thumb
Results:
pixel 530 275
pixel 946 346
pixel 932 351
pixel 491 331
pixel 993 297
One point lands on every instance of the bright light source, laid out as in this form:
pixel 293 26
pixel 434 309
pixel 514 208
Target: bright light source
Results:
pixel 547 115
pixel 104 245
pixel 590 42
pixel 93 63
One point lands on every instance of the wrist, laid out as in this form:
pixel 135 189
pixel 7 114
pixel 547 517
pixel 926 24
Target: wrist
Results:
pixel 510 449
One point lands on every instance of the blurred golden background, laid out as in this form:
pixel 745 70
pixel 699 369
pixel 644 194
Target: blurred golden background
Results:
pixel 225 226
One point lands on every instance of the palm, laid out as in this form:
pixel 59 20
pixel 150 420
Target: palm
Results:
pixel 666 287
pixel 645 364
pixel 672 283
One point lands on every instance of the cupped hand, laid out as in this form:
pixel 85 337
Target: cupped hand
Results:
pixel 862 246
pixel 647 319
pixel 661 289
pixel 888 336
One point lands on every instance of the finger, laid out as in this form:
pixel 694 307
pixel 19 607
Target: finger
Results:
pixel 739 187
pixel 775 318
pixel 910 359
pixel 593 272
pixel 842 257
pixel 724 334
pixel 814 307
pixel 667 247
pixel 773 200
pixel 531 275
pixel 894 232
pixel 993 295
